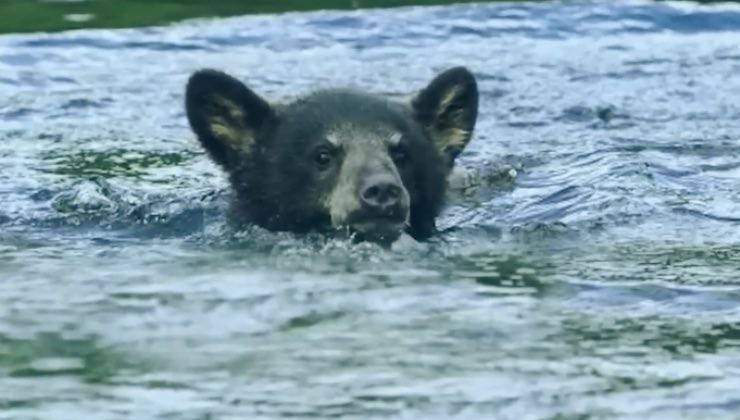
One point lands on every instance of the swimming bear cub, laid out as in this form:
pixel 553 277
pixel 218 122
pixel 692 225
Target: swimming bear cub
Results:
pixel 336 159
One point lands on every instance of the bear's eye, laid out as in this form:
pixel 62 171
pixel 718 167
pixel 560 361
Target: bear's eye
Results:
pixel 399 154
pixel 323 158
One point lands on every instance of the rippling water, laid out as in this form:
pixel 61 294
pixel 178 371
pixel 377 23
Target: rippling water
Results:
pixel 590 265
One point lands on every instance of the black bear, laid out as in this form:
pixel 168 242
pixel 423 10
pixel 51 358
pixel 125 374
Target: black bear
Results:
pixel 336 159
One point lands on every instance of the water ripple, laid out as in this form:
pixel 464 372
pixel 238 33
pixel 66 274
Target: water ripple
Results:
pixel 587 265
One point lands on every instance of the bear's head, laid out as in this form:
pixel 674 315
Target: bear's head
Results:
pixel 336 159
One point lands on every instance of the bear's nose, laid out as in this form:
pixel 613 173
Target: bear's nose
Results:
pixel 381 195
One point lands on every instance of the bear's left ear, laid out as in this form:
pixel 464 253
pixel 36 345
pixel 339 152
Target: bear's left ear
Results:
pixel 447 109
pixel 226 116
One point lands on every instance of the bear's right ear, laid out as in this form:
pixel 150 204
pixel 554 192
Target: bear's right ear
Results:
pixel 447 109
pixel 225 115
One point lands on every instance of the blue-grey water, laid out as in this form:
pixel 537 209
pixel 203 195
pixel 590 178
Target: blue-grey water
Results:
pixel 589 265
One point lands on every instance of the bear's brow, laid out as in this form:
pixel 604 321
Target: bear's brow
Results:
pixel 394 139
pixel 384 135
pixel 333 139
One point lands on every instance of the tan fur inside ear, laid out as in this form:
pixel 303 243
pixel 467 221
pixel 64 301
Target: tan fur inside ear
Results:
pixel 451 138
pixel 227 121
pixel 448 132
pixel 447 99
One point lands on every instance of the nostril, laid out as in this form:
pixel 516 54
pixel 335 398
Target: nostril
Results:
pixel 394 191
pixel 371 192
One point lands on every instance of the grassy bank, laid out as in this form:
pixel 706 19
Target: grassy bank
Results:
pixel 58 15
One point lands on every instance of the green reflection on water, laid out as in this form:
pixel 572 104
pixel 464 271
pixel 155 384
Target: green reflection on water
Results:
pixel 51 354
pixel 111 163
pixel 512 272
pixel 33 16
pixel 674 335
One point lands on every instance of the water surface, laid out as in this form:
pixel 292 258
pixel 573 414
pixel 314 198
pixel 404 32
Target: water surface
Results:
pixel 588 267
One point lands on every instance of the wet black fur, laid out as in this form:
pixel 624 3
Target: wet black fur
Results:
pixel 276 182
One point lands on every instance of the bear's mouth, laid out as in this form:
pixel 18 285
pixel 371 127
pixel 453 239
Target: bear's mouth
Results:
pixel 379 229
